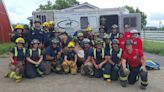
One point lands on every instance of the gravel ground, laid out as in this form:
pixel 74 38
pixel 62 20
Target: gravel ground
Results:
pixel 77 83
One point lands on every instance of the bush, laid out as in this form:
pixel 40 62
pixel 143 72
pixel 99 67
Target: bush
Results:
pixel 5 48
pixel 154 47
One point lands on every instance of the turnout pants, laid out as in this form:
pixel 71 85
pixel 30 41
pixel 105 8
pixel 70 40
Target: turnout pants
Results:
pixel 33 70
pixel 16 71
pixel 87 69
pixel 134 75
pixel 69 66
pixel 103 72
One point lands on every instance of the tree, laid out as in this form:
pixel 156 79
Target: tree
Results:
pixel 58 4
pixel 137 10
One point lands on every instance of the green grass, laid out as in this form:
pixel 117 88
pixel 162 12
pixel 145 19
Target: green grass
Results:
pixel 5 48
pixel 154 47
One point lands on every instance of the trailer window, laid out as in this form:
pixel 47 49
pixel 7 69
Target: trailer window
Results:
pixel 43 18
pixel 84 22
pixel 131 21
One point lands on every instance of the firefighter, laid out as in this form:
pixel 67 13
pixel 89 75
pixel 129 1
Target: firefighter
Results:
pixel 99 60
pixel 51 25
pixel 37 33
pixel 18 32
pixel 52 56
pixel 136 62
pixel 17 58
pixel 89 33
pixel 101 33
pixel 80 37
pixel 107 43
pixel 114 34
pixel 136 39
pixel 115 58
pixel 46 35
pixel 34 57
pixel 121 40
pixel 127 33
pixel 87 67
pixel 70 59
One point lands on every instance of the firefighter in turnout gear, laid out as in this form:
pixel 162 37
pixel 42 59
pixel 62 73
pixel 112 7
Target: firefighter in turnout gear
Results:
pixel 99 60
pixel 70 59
pixel 36 32
pixel 17 58
pixel 46 35
pixel 87 67
pixel 80 37
pixel 35 66
pixel 114 34
pixel 18 32
pixel 52 57
pixel 115 58
pixel 136 62
pixel 107 43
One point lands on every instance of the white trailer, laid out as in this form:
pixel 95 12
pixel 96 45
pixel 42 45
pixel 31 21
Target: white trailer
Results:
pixel 84 15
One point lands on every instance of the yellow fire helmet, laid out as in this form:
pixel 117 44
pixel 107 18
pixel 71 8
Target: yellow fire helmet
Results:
pixel 51 23
pixel 89 29
pixel 80 34
pixel 71 44
pixel 20 40
pixel 45 24
pixel 19 26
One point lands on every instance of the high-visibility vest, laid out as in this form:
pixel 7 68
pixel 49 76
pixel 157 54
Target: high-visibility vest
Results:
pixel 16 51
pixel 104 45
pixel 39 52
pixel 119 54
pixel 102 52
pixel 117 35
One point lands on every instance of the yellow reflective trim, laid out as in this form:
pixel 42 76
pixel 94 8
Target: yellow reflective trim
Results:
pixel 30 52
pixel 106 75
pixel 102 51
pixel 143 82
pixel 94 53
pixel 123 78
pixel 39 52
pixel 15 52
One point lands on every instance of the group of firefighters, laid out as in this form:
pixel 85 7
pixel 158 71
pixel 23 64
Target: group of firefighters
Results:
pixel 44 49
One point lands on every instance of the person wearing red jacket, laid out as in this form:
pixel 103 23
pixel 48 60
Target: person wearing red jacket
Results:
pixel 127 33
pixel 121 40
pixel 136 39
pixel 136 62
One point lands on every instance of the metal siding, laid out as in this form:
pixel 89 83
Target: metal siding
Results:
pixel 5 28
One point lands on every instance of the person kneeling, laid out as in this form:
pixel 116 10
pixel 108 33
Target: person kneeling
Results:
pixel 34 65
pixel 70 59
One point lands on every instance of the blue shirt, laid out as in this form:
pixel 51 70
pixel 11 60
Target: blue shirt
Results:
pixel 47 39
pixel 99 57
pixel 37 34
pixel 51 51
pixel 71 55
pixel 88 53
pixel 114 56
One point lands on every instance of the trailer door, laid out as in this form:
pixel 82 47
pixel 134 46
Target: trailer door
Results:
pixel 132 19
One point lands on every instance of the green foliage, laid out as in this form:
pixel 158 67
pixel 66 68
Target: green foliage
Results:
pixel 5 48
pixel 153 47
pixel 58 4
pixel 143 15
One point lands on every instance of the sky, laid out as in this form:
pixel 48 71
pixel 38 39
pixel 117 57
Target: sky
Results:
pixel 20 10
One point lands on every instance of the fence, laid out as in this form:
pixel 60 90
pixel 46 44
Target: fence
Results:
pixel 153 35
